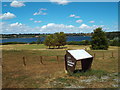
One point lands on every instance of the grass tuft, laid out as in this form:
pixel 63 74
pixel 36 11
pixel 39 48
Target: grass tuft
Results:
pixel 97 73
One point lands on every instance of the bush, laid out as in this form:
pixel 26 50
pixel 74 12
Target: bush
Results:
pixel 33 42
pixel 114 42
pixel 6 43
pixel 73 43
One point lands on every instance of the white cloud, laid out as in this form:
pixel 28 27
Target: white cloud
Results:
pixel 84 26
pixel 48 25
pixel 79 21
pixel 73 15
pixel 40 12
pixel 37 21
pixel 87 28
pixel 52 27
pixel 7 15
pixel 16 28
pixel 91 21
pixel 15 24
pixel 60 2
pixel 31 19
pixel 17 4
pixel 2 23
pixel 43 9
pixel 48 28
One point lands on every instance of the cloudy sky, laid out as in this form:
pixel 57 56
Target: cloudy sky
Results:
pixel 58 16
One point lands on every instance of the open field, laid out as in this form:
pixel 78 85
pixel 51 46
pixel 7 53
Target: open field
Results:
pixel 38 47
pixel 51 73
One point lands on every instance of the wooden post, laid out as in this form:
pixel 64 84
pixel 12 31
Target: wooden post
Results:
pixel 41 59
pixel 65 57
pixel 57 58
pixel 103 55
pixel 24 61
pixel 94 55
pixel 0 61
pixel 112 55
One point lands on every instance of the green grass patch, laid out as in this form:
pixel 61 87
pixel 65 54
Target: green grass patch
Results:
pixel 33 46
pixel 62 79
pixel 52 60
pixel 66 80
pixel 97 73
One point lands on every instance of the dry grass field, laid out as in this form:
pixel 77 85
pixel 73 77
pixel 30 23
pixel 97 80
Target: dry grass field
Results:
pixel 51 73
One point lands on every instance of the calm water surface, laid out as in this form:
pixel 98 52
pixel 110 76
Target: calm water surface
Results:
pixel 28 40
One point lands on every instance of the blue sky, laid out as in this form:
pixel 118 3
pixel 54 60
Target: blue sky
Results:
pixel 49 17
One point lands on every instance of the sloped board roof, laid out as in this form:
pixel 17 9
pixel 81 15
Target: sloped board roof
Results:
pixel 79 54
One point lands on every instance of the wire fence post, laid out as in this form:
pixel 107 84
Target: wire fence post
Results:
pixel 0 61
pixel 24 61
pixel 57 58
pixel 58 61
pixel 41 60
pixel 94 55
pixel 103 55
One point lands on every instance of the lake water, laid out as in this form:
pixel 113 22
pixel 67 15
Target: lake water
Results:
pixel 28 40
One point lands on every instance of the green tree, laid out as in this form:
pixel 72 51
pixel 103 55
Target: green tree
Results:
pixel 47 41
pixel 56 39
pixel 53 40
pixel 60 39
pixel 99 40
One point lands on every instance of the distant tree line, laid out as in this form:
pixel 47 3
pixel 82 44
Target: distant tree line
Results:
pixel 22 35
pixel 78 34
pixel 7 43
pixel 113 38
pixel 114 42
pixel 112 35
pixel 42 35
